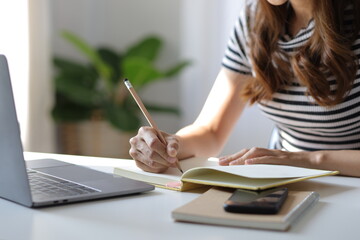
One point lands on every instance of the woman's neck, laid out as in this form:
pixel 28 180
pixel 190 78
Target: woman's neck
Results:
pixel 303 10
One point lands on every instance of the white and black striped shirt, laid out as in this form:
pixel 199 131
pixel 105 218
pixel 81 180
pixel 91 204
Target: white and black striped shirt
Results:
pixel 303 125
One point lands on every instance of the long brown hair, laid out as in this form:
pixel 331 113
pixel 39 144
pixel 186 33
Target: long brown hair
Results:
pixel 327 53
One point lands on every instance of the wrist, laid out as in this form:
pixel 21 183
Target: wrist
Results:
pixel 316 158
pixel 183 150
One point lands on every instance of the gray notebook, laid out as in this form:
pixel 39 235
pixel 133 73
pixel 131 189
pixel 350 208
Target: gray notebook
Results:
pixel 208 209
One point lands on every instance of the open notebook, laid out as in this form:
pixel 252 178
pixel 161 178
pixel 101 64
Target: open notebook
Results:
pixel 206 171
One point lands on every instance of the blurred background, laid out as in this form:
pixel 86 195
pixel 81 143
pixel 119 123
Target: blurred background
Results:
pixel 196 31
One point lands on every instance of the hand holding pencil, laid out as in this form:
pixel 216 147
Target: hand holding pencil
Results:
pixel 145 151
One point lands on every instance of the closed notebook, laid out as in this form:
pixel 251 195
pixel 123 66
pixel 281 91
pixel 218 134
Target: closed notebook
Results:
pixel 203 171
pixel 208 209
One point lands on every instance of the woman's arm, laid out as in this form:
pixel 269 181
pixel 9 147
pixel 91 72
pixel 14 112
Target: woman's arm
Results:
pixel 208 134
pixel 347 162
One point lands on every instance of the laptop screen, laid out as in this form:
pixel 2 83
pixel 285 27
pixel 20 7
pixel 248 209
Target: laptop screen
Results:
pixel 14 183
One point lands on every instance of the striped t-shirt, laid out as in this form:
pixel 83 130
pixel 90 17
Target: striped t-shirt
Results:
pixel 303 125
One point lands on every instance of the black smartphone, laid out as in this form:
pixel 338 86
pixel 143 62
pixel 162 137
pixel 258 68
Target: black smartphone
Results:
pixel 257 202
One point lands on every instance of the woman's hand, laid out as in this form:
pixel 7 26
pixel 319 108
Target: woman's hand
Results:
pixel 150 153
pixel 268 156
pixel 347 162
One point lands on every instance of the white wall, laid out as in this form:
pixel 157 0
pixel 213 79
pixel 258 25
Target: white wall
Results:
pixel 14 44
pixel 24 41
pixel 196 30
pixel 40 137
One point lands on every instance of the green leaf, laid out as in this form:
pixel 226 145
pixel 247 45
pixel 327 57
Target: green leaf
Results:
pixel 140 71
pixel 76 92
pixel 68 65
pixel 148 48
pixel 162 109
pixel 122 119
pixel 112 59
pixel 173 71
pixel 84 76
pixel 69 112
pixel 92 55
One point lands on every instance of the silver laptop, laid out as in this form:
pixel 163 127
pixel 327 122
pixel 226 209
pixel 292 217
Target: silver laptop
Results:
pixel 47 182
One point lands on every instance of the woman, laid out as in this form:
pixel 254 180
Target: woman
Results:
pixel 299 60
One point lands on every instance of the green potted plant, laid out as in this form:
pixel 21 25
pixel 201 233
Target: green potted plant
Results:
pixel 95 90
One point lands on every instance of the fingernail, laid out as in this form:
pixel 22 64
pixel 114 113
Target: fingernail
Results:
pixel 248 162
pixel 172 159
pixel 172 152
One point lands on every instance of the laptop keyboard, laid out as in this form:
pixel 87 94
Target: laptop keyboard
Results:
pixel 47 186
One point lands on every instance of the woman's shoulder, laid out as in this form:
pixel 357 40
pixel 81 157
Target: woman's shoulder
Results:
pixel 247 12
pixel 250 6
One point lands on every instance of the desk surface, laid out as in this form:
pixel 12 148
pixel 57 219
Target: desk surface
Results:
pixel 148 215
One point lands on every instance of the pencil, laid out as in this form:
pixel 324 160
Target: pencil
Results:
pixel 147 115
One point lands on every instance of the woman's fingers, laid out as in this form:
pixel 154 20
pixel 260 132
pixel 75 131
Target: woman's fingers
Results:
pixel 151 153
pixel 226 160
pixel 140 151
pixel 254 156
pixel 156 168
pixel 172 146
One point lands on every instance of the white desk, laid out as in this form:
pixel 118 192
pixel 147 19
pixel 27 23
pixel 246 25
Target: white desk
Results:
pixel 147 216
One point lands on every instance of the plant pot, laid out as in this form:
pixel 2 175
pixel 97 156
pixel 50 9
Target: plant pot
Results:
pixel 93 138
